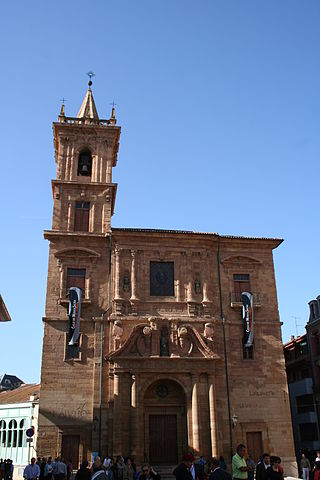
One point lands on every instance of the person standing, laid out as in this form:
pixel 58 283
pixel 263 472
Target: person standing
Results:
pixel 98 470
pixel 239 465
pixel 218 473
pixel 274 473
pixel 84 472
pixel 183 471
pixel 60 470
pixel 148 473
pixel 251 464
pixel 32 471
pixel 305 467
pixel 48 469
pixel 262 467
pixel 128 471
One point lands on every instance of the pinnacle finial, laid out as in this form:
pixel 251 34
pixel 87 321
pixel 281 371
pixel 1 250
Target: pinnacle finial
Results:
pixel 62 115
pixel 113 119
pixel 90 75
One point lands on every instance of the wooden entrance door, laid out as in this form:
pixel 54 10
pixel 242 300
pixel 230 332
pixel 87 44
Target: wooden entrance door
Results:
pixel 70 449
pixel 163 439
pixel 254 445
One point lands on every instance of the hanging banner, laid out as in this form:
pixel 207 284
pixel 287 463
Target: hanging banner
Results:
pixel 74 315
pixel 247 315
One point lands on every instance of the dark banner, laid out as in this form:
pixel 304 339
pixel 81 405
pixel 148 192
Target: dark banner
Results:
pixel 247 312
pixel 74 315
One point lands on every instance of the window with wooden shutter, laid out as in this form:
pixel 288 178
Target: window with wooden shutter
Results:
pixel 241 283
pixel 76 277
pixel 81 217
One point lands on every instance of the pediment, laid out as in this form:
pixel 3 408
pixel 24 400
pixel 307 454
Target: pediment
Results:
pixel 241 259
pixel 147 340
pixel 77 252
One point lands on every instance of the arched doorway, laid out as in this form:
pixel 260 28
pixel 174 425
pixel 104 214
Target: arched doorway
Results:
pixel 165 430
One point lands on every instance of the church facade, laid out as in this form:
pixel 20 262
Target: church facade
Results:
pixel 160 366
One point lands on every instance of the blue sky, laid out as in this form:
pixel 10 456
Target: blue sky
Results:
pixel 219 107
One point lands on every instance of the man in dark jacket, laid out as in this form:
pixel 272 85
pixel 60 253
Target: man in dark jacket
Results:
pixel 182 471
pixel 148 473
pixel 218 473
pixel 261 469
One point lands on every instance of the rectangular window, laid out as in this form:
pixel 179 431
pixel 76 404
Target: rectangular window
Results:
pixel 241 283
pixel 247 352
pixel 305 403
pixel 308 432
pixel 81 217
pixel 162 279
pixel 76 278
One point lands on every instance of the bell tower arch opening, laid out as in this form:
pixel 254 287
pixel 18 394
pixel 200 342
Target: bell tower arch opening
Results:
pixel 85 163
pixel 165 422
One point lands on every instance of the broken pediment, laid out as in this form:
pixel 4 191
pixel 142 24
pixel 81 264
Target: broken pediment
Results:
pixel 77 252
pixel 168 339
pixel 240 259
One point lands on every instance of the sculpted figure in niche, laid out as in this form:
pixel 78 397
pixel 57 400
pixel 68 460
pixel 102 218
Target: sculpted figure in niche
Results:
pixel 208 331
pixel 164 342
pixel 144 342
pixel 117 332
pixel 197 286
pixel 185 342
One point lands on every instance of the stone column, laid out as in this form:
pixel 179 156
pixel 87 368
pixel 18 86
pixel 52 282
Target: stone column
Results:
pixel 212 414
pixel 117 430
pixel 69 217
pixel 109 155
pixel 73 166
pixel 61 163
pixel 134 417
pixel 67 169
pixel 195 414
pixel 117 295
pixel 134 275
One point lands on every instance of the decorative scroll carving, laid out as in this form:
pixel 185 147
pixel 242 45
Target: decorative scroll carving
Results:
pixel 164 338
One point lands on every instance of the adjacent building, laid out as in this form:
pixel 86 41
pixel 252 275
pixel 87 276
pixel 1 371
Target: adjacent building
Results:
pixel 9 382
pixel 18 412
pixel 302 397
pixel 302 357
pixel 161 312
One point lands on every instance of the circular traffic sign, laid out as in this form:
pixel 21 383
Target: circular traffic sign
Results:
pixel 30 432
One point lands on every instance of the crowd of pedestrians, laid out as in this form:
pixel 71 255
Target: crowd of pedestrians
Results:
pixel 244 467
pixel 6 469
pixel 107 469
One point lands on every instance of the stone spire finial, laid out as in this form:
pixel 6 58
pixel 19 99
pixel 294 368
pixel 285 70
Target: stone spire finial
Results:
pixel 62 116
pixel 113 119
pixel 88 108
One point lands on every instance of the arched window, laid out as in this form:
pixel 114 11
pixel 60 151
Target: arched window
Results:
pixel 20 435
pixel 12 433
pixel 3 433
pixel 85 163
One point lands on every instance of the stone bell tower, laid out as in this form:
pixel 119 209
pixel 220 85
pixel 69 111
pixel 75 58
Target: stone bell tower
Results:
pixel 86 150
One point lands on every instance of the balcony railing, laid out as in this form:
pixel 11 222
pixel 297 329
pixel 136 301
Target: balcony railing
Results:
pixel 236 300
pixel 87 121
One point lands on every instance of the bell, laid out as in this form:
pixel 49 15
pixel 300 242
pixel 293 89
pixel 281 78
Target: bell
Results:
pixel 84 170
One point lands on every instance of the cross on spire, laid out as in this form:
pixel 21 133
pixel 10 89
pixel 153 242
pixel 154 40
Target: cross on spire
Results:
pixel 90 75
